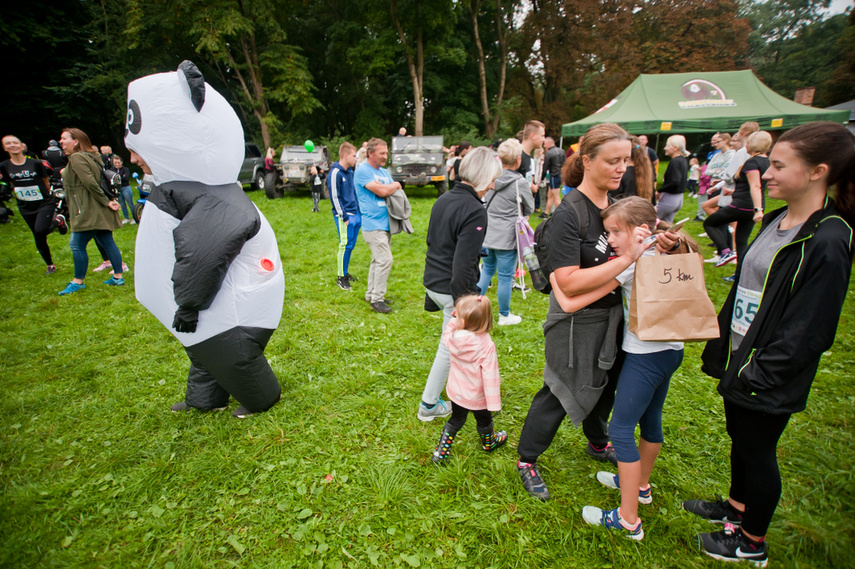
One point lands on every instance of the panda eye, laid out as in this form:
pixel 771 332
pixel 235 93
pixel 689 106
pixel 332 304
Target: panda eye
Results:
pixel 134 124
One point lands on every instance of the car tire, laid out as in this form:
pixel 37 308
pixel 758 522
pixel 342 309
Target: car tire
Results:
pixel 270 184
pixel 441 188
pixel 257 180
pixel 136 211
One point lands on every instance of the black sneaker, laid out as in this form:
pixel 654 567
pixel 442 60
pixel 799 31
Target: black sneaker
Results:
pixel 605 455
pixel 381 307
pixel 351 278
pixel 532 481
pixel 719 512
pixel 182 406
pixel 730 545
pixel 343 283
pixel 241 412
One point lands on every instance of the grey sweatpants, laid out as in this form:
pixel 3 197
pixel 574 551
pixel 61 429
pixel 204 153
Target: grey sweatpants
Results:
pixel 380 243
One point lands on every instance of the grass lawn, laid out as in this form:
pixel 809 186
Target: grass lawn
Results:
pixel 97 472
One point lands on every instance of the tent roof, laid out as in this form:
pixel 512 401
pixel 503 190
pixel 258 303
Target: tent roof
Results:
pixel 701 102
pixel 847 106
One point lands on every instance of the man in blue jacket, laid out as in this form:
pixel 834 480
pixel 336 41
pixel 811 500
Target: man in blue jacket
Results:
pixel 345 210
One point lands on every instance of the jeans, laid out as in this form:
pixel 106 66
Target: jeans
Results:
pixel 438 375
pixel 347 234
pixel 126 200
pixel 641 390
pixel 380 243
pixel 506 262
pixel 104 238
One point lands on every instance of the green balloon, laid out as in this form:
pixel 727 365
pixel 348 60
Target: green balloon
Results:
pixel 309 145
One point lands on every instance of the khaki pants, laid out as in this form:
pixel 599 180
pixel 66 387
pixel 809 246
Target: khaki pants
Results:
pixel 380 243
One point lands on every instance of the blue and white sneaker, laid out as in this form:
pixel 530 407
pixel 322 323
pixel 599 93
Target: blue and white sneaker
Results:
pixel 71 288
pixel 610 480
pixel 729 257
pixel 610 519
pixel 440 409
pixel 113 281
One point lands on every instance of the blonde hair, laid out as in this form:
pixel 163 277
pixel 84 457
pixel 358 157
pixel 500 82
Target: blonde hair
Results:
pixel 480 167
pixel 678 141
pixel 758 143
pixel 748 128
pixel 510 151
pixel 476 313
pixel 532 127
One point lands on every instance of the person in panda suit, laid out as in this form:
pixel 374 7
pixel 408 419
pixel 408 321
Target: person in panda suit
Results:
pixel 207 262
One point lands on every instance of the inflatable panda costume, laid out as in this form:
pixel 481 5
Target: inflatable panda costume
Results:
pixel 207 262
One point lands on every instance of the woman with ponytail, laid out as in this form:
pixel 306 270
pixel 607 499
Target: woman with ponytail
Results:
pixel 780 316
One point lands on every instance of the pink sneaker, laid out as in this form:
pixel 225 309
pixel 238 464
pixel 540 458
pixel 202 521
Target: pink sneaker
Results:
pixel 102 266
pixel 124 268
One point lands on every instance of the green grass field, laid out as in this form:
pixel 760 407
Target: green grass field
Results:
pixel 97 472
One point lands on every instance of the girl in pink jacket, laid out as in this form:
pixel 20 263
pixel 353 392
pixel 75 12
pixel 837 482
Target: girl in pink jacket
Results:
pixel 473 380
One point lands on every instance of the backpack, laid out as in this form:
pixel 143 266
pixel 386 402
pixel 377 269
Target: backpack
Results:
pixel 111 183
pixel 575 199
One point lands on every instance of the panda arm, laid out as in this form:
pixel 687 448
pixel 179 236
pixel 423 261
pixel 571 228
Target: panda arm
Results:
pixel 209 237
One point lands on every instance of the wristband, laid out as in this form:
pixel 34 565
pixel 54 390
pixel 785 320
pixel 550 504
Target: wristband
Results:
pixel 676 246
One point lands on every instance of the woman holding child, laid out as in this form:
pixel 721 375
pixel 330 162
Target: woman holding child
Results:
pixel 579 382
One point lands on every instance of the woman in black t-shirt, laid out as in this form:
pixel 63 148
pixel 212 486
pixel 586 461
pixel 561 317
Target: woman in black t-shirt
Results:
pixel 29 179
pixel 746 209
pixel 581 349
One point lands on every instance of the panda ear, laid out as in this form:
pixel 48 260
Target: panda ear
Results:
pixel 194 81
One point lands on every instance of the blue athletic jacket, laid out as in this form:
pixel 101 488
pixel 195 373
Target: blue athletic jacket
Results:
pixel 342 192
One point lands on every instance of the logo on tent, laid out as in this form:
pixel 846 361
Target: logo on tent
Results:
pixel 700 93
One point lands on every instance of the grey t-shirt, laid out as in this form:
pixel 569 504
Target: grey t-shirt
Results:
pixel 749 289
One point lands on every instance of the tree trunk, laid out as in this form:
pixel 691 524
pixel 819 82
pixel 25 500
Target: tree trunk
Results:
pixel 491 120
pixel 255 94
pixel 416 74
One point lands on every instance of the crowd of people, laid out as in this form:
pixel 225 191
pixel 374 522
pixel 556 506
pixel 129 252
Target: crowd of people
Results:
pixel 605 213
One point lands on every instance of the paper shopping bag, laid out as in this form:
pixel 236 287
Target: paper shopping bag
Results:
pixel 669 300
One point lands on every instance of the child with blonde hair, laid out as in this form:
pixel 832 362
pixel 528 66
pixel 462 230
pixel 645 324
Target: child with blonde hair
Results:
pixel 473 378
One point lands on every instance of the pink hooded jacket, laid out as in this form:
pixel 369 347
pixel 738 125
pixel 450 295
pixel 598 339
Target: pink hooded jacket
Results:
pixel 473 379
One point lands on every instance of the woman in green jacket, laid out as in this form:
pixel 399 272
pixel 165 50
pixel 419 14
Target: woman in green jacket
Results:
pixel 92 215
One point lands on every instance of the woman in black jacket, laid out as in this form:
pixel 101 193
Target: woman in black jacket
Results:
pixel 779 317
pixel 669 196
pixel 458 223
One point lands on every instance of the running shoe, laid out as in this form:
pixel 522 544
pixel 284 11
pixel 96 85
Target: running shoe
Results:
pixel 610 519
pixel 71 288
pixel 729 257
pixel 103 266
pixel 718 512
pixel 509 320
pixel 51 269
pixel 730 545
pixel 343 283
pixel 439 409
pixel 113 281
pixel 610 480
pixel 532 481
pixel 603 455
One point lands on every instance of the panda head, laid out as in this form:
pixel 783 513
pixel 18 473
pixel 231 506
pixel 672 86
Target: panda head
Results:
pixel 183 128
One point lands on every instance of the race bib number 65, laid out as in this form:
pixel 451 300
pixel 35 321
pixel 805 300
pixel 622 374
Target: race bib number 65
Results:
pixel 744 309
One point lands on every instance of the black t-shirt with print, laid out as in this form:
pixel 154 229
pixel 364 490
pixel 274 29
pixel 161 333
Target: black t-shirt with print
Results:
pixel 741 187
pixel 567 249
pixel 28 185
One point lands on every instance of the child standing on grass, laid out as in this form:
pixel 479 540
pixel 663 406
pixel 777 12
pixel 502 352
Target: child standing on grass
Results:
pixel 473 378
pixel 694 176
pixel 643 382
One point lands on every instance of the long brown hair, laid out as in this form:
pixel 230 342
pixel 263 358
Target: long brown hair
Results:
pixel 643 170
pixel 830 144
pixel 635 211
pixel 589 146
pixel 83 140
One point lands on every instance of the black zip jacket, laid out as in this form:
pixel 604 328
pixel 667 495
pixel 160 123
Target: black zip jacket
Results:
pixel 773 369
pixel 458 223
pixel 676 176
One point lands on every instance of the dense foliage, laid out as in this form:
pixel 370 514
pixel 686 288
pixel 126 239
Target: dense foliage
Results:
pixel 471 69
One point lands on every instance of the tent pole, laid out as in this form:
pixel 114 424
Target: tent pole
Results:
pixel 561 142
pixel 657 142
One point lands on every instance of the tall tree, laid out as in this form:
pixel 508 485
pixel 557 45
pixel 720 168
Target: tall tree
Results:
pixel 491 118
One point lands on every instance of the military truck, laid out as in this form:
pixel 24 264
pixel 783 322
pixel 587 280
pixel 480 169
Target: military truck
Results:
pixel 418 161
pixel 292 171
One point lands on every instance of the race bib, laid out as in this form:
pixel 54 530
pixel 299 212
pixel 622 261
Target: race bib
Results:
pixel 28 193
pixel 744 309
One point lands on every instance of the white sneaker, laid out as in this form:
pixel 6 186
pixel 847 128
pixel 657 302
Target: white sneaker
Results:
pixel 509 320
pixel 714 259
pixel 704 234
pixel 126 221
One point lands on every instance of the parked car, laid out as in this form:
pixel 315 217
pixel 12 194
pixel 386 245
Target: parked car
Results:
pixel 418 161
pixel 292 171
pixel 252 169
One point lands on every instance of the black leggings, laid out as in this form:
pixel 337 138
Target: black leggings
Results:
pixel 41 224
pixel 483 418
pixel 754 476
pixel 716 227
pixel 546 414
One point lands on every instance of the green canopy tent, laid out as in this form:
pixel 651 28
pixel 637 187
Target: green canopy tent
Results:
pixel 681 103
